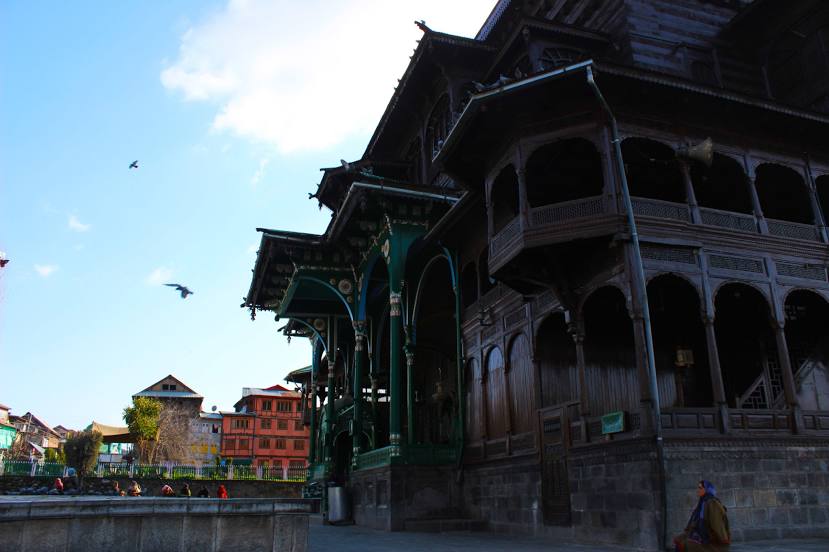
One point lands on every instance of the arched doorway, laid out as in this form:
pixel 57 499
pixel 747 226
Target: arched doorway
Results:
pixel 680 349
pixel 722 186
pixel 747 351
pixel 807 337
pixel 783 194
pixel 474 406
pixel 652 170
pixel 521 388
pixel 610 366
pixel 556 355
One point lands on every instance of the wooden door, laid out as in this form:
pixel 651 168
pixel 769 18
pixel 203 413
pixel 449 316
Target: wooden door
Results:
pixel 555 484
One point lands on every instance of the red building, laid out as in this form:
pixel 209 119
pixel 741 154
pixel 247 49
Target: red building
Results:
pixel 266 430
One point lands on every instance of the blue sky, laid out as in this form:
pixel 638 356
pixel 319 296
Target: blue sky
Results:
pixel 230 108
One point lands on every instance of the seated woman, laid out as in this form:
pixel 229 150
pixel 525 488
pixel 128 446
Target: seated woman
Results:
pixel 707 529
pixel 167 490
pixel 134 489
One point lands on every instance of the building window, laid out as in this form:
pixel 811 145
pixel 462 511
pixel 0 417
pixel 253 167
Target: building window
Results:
pixel 280 444
pixel 282 425
pixel 168 386
pixel 298 406
pixel 244 444
pixel 230 444
pixel 299 444
pixel 214 429
pixel 265 424
pixel 240 423
pixel 298 426
pixel 283 406
pixel 265 443
pixel 267 405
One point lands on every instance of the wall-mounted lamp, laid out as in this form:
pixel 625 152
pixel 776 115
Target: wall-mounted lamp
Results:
pixel 485 316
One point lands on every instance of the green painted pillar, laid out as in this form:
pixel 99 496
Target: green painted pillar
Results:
pixel 396 365
pixel 410 360
pixel 312 448
pixel 357 424
pixel 330 393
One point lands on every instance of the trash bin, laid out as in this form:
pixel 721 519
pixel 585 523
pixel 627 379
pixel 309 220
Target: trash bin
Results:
pixel 338 506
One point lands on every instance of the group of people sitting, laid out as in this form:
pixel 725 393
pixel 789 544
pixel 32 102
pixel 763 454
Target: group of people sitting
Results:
pixel 166 490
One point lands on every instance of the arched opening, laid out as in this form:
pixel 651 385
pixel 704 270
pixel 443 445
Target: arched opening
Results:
pixel 469 285
pixel 807 337
pixel 556 354
pixel 485 282
pixel 723 185
pixel 379 358
pixel 474 410
pixel 342 457
pixel 746 346
pixel 652 170
pixel 609 353
pixel 822 186
pixel 435 372
pixel 783 194
pixel 496 426
pixel 521 388
pixel 680 350
pixel 504 198
pixel 563 171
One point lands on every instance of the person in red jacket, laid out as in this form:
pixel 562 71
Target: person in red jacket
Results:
pixel 221 492
pixel 59 485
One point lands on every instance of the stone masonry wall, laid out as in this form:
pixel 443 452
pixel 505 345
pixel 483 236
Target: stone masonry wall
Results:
pixel 772 488
pixel 614 490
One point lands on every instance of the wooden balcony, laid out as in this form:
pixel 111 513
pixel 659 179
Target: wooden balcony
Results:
pixel 595 216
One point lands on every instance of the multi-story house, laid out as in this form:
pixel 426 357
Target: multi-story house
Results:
pixel 35 433
pixel 7 431
pixel 204 428
pixel 266 430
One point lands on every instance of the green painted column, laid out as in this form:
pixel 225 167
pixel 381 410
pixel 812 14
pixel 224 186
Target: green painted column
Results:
pixel 357 424
pixel 312 448
pixel 330 392
pixel 396 365
pixel 410 360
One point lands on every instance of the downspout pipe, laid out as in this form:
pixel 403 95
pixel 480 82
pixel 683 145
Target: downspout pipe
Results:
pixel 640 286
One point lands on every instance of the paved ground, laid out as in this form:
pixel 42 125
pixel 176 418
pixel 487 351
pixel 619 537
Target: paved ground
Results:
pixel 327 538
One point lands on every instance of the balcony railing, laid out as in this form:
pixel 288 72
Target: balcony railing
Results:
pixel 661 209
pixel 797 230
pixel 728 219
pixel 566 210
pixel 505 236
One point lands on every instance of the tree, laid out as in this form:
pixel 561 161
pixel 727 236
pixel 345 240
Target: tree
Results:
pixel 81 451
pixel 55 455
pixel 162 431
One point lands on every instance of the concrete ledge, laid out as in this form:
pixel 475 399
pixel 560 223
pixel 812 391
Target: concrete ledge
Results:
pixel 153 524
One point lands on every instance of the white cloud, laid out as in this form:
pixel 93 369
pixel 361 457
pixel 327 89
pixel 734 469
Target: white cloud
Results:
pixel 257 176
pixel 45 270
pixel 160 275
pixel 307 75
pixel 77 225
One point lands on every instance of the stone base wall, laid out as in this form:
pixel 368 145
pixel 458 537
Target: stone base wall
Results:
pixel 87 524
pixel 384 498
pixel 506 494
pixel 772 488
pixel 152 487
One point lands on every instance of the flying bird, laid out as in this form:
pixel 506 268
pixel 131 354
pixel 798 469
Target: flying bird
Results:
pixel 134 164
pixel 183 289
pixel 3 260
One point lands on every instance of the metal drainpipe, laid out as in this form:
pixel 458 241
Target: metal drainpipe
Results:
pixel 641 289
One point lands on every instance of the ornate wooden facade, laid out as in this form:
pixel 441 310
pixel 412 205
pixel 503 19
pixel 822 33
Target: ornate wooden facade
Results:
pixel 474 305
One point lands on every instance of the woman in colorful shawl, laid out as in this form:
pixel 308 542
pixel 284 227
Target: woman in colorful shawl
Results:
pixel 707 529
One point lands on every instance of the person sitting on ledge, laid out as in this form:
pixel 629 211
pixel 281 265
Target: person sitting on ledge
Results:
pixel 185 491
pixel 221 492
pixel 134 489
pixel 203 492
pixel 167 490
pixel 707 529
pixel 59 485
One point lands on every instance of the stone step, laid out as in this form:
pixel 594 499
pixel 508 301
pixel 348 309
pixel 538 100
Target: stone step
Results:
pixel 443 525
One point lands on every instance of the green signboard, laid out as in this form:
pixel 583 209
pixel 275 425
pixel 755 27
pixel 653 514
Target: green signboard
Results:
pixel 613 422
pixel 7 434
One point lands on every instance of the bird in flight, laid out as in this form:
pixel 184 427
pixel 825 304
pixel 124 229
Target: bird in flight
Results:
pixel 3 260
pixel 134 164
pixel 183 289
